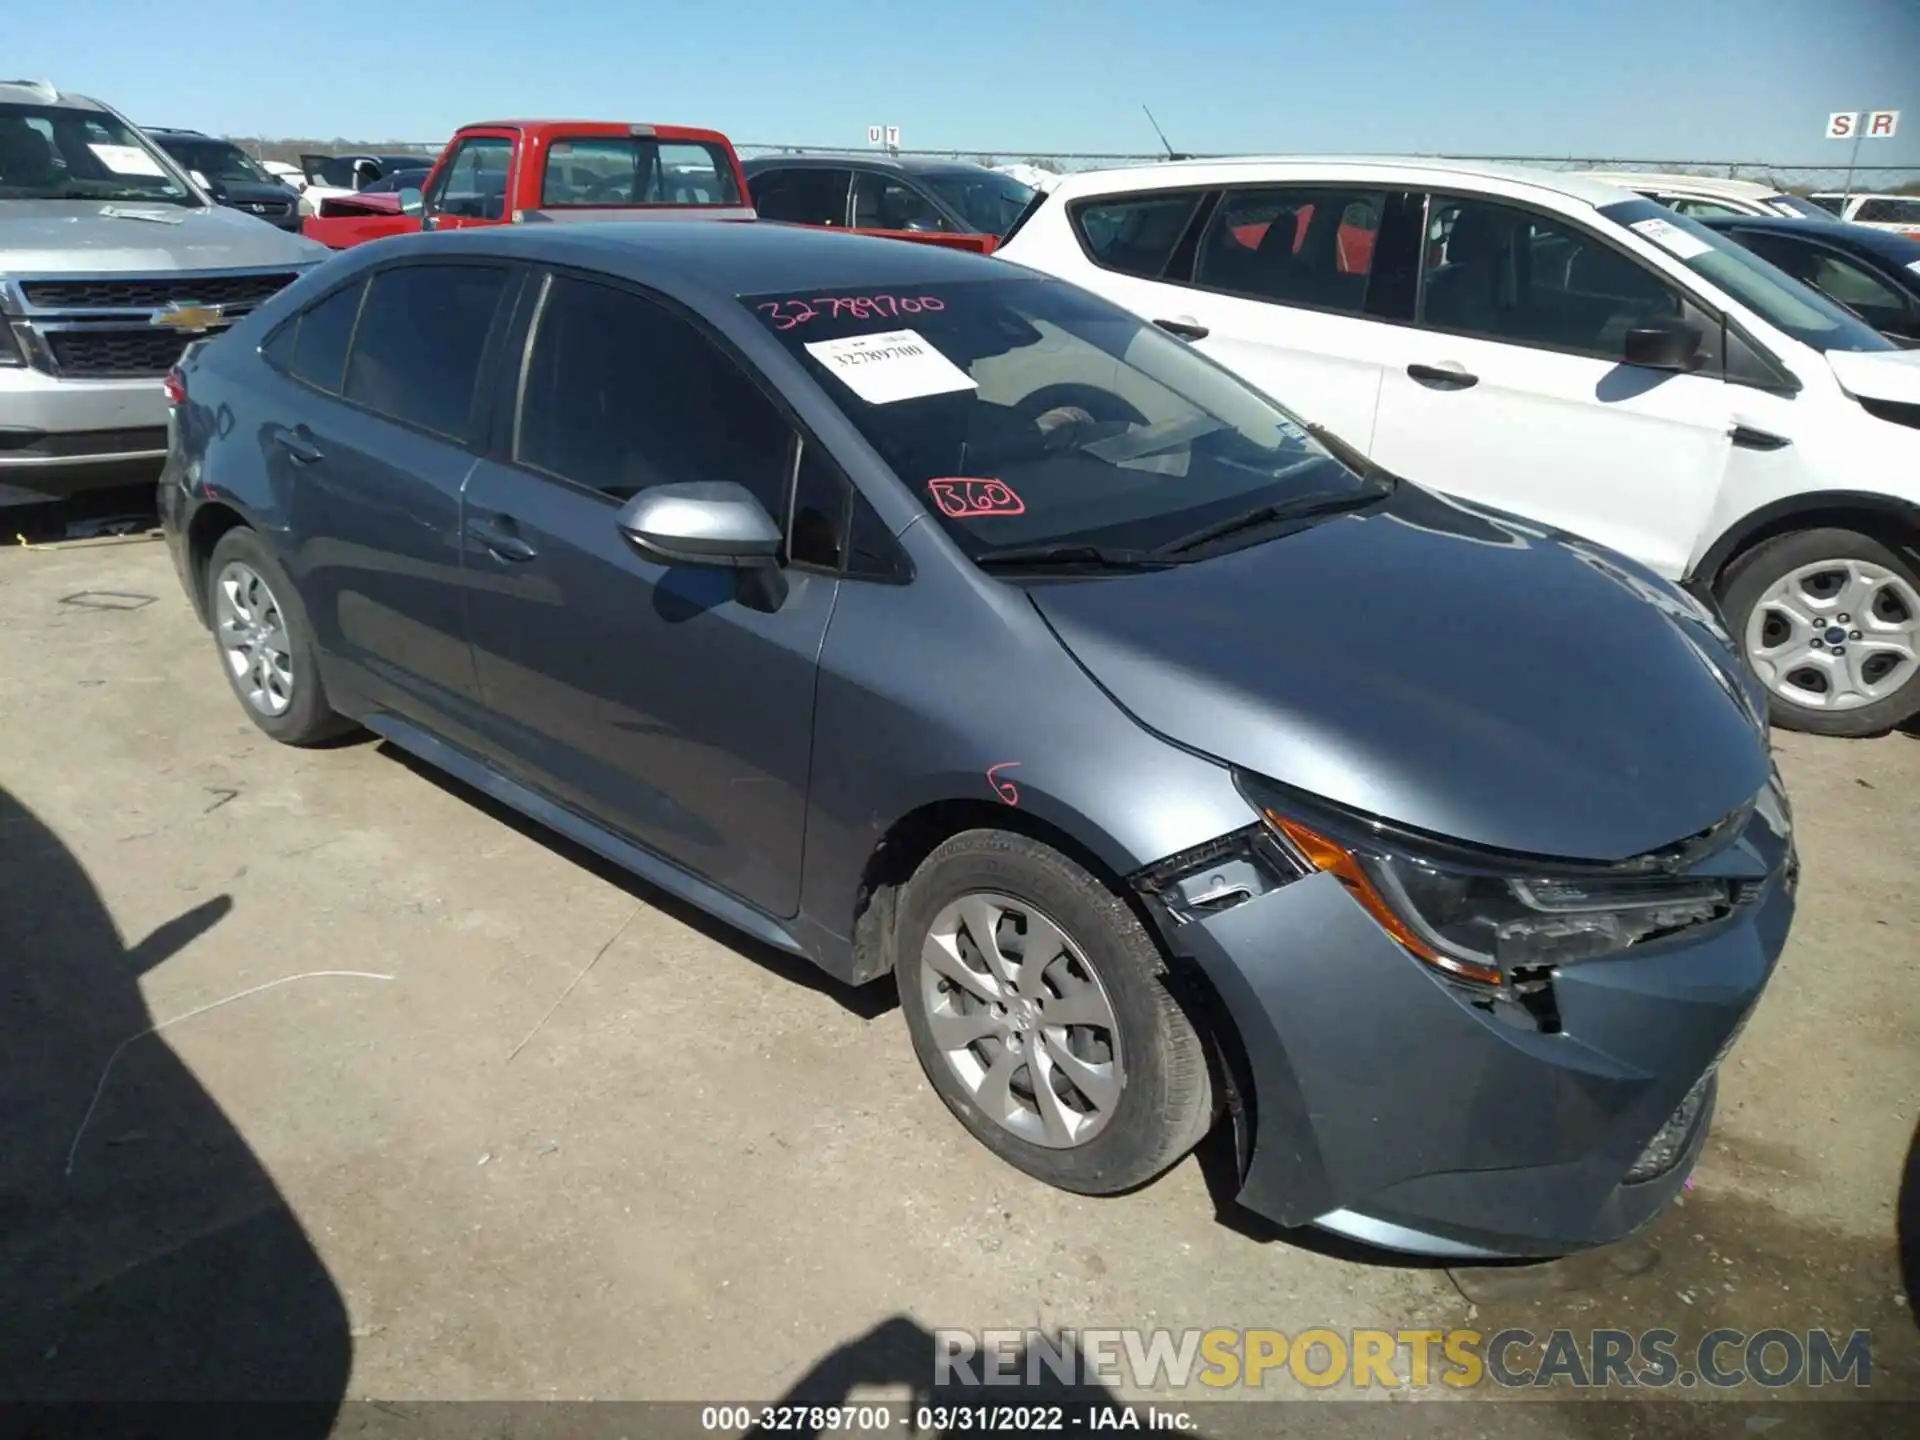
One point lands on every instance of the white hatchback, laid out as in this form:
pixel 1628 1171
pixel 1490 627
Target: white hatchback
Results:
pixel 1558 348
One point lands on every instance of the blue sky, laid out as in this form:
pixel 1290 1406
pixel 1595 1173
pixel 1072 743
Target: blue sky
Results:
pixel 1642 79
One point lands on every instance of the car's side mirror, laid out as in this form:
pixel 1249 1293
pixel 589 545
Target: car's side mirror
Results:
pixel 1664 345
pixel 410 200
pixel 708 522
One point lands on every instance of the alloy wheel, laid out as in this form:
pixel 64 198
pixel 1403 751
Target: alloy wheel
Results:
pixel 253 637
pixel 1835 635
pixel 1022 1019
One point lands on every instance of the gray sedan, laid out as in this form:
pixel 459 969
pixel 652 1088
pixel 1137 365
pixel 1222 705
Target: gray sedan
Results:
pixel 929 618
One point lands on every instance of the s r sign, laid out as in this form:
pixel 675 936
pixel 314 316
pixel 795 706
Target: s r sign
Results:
pixel 1881 124
pixel 1843 124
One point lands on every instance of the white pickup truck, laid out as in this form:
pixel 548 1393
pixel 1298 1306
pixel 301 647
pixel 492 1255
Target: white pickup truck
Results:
pixel 112 259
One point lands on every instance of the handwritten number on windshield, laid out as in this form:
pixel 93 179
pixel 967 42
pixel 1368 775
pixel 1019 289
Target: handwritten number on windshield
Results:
pixel 786 314
pixel 970 499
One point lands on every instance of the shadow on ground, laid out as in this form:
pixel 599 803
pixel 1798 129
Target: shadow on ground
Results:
pixel 144 1252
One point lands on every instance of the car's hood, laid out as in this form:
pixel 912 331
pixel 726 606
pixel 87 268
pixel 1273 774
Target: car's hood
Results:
pixel 1878 374
pixel 1455 671
pixel 76 237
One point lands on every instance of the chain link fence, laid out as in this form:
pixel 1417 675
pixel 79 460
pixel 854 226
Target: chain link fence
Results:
pixel 1799 179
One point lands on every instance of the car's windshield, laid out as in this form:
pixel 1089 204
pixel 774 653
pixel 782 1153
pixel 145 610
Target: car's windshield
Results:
pixel 220 161
pixel 989 202
pixel 1025 412
pixel 1772 294
pixel 1798 205
pixel 57 152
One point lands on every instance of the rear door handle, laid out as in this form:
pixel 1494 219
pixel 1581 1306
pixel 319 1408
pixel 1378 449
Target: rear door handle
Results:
pixel 1449 376
pixel 299 445
pixel 1748 438
pixel 1185 329
pixel 500 537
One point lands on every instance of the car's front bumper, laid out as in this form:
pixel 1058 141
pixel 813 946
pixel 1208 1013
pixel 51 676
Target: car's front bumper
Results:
pixel 1391 1107
pixel 59 435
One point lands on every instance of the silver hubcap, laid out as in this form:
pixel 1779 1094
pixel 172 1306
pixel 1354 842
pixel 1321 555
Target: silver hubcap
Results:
pixel 1022 1020
pixel 1836 635
pixel 253 636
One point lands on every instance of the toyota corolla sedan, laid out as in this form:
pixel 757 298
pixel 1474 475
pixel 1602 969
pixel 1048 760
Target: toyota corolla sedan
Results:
pixel 929 618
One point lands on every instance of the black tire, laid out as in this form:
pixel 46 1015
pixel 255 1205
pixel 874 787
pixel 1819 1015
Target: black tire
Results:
pixel 307 719
pixel 1746 583
pixel 1165 1102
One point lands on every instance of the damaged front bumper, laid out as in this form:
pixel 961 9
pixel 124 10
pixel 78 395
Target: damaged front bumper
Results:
pixel 1392 1104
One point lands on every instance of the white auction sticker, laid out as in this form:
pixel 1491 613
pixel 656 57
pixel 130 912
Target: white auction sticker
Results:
pixel 1671 237
pixel 899 365
pixel 127 160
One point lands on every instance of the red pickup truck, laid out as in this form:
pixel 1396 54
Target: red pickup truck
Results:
pixel 516 171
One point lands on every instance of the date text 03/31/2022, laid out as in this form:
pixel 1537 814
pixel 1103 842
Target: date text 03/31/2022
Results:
pixel 943 1419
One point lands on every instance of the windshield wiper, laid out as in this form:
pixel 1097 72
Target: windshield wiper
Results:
pixel 1303 507
pixel 1019 557
pixel 1348 456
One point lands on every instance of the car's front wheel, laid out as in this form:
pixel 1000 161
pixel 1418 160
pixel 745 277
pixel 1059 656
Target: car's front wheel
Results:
pixel 1039 1009
pixel 266 647
pixel 1830 621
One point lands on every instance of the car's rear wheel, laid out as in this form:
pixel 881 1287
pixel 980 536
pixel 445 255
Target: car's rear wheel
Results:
pixel 1830 621
pixel 266 647
pixel 1039 1009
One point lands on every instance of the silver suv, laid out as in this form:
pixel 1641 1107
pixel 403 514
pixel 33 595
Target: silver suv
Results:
pixel 111 261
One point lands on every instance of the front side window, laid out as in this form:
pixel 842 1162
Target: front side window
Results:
pixel 55 152
pixel 1028 412
pixel 1773 295
pixel 1514 275
pixel 806 195
pixel 419 341
pixel 473 184
pixel 1134 234
pixel 639 171
pixel 1293 245
pixel 883 202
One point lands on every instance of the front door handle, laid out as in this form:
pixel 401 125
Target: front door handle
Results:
pixel 1185 329
pixel 1748 438
pixel 299 445
pixel 500 537
pixel 1450 376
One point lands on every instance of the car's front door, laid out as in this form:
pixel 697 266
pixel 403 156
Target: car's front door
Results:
pixel 470 187
pixel 1515 392
pixel 671 704
pixel 382 409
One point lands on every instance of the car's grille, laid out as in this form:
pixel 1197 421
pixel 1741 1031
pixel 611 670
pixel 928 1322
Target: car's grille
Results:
pixel 99 354
pixel 152 293
pixel 265 207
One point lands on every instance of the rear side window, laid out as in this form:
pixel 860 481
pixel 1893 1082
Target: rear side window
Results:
pixel 1293 245
pixel 810 196
pixel 622 394
pixel 416 352
pixel 313 348
pixel 1133 234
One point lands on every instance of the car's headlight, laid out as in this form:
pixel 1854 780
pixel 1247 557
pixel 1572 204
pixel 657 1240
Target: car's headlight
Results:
pixel 1494 924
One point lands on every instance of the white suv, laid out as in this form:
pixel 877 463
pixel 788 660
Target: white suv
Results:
pixel 1557 348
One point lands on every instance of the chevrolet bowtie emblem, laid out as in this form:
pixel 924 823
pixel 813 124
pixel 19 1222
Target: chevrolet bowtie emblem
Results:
pixel 186 315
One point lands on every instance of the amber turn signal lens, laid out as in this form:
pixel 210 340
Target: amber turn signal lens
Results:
pixel 1344 866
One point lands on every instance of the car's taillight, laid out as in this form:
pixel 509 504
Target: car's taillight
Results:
pixel 175 387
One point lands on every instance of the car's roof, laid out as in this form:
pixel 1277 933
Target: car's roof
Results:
pixel 854 160
pixel 1890 243
pixel 1860 195
pixel 40 92
pixel 1407 169
pixel 1673 180
pixel 759 257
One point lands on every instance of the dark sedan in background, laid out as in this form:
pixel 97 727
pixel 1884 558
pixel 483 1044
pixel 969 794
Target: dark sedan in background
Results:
pixel 881 192
pixel 1874 273
pixel 919 614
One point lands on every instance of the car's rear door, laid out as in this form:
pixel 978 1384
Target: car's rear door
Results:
pixel 1514 391
pixel 372 442
pixel 802 194
pixel 671 704
pixel 1277 282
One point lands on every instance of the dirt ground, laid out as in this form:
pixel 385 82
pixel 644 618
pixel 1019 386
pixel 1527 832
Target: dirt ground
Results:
pixel 446 1109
